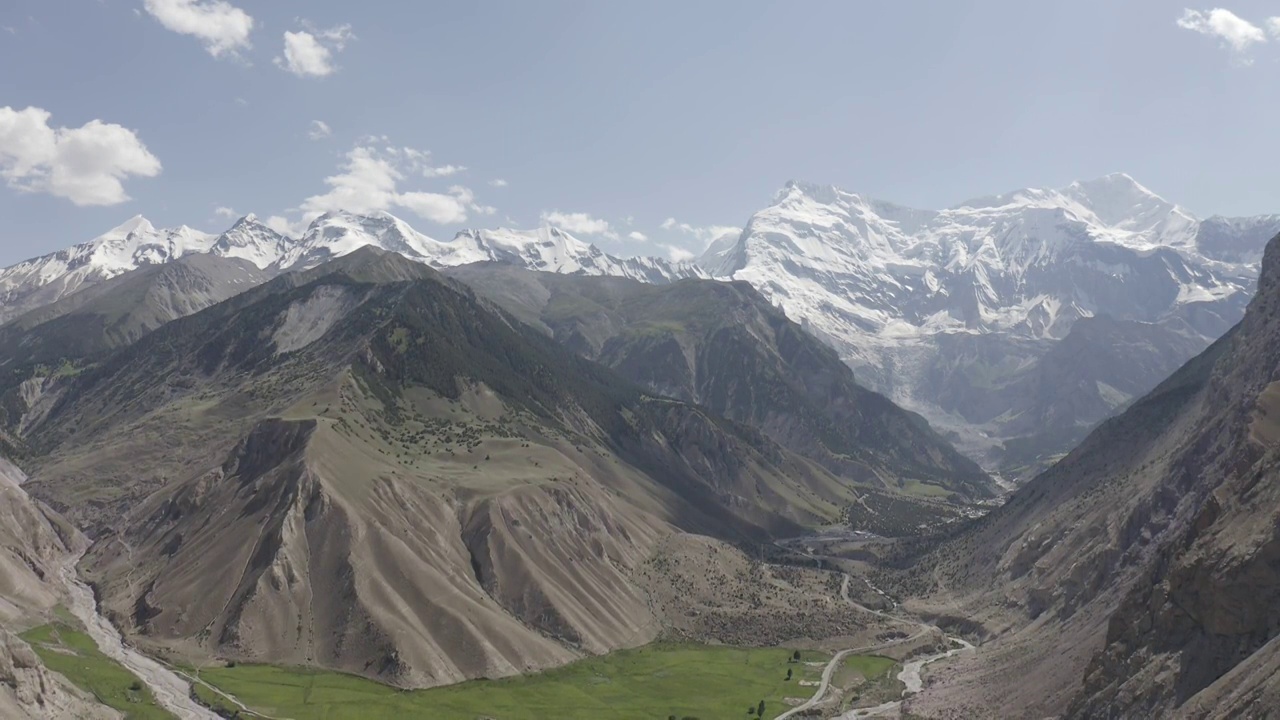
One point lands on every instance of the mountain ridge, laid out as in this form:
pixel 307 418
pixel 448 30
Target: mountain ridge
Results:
pixel 137 243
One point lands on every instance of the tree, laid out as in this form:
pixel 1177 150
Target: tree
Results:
pixel 795 656
pixel 760 709
pixel 788 673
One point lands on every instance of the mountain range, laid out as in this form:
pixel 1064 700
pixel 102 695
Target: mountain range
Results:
pixel 137 243
pixel 962 315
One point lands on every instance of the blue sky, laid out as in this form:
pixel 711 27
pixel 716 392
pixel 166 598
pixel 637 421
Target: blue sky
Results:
pixel 610 118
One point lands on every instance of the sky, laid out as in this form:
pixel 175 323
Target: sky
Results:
pixel 644 127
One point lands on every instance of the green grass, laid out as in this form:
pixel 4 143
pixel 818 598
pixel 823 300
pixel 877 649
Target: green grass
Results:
pixel 66 650
pixel 869 666
pixel 652 682
pixel 211 699
pixel 868 680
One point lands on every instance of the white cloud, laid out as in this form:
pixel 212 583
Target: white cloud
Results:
pixel 283 226
pixel 1234 31
pixel 305 56
pixel 223 211
pixel 86 165
pixel 579 223
pixel 638 236
pixel 242 102
pixel 10 29
pixel 498 183
pixel 705 235
pixel 369 182
pixel 442 171
pixel 222 27
pixel 436 207
pixel 1273 26
pixel 678 254
pixel 309 52
pixel 319 130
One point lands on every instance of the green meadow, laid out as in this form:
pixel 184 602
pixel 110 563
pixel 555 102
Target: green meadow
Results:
pixel 658 681
pixel 66 650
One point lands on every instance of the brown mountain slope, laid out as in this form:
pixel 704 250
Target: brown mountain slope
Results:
pixel 1139 576
pixel 365 467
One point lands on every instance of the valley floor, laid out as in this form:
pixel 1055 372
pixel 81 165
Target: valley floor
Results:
pixel 657 681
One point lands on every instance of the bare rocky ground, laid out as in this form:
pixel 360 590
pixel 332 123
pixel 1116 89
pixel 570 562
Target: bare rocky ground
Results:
pixel 707 591
pixel 34 543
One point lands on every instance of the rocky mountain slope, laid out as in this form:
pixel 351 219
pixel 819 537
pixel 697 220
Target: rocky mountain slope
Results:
pixel 723 346
pixel 116 312
pixel 1138 577
pixel 365 467
pixel 936 307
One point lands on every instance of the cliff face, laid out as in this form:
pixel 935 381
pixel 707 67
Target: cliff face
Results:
pixel 1208 599
pixel 1139 576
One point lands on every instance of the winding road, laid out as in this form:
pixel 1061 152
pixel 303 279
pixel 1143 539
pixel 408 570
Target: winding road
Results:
pixel 910 676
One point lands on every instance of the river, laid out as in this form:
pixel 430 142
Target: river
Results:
pixel 171 691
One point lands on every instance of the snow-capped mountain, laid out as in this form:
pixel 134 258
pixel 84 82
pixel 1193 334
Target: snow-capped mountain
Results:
pixel 137 243
pixel 548 249
pixel 131 245
pixel 946 310
pixel 248 239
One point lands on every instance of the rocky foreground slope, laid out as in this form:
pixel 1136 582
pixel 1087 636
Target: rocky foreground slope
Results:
pixel 1139 576
pixel 34 543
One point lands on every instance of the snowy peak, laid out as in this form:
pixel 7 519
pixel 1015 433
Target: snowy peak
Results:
pixel 1120 202
pixel 546 248
pixel 250 240
pixel 335 234
pixel 1117 199
pixel 551 249
pixel 135 224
